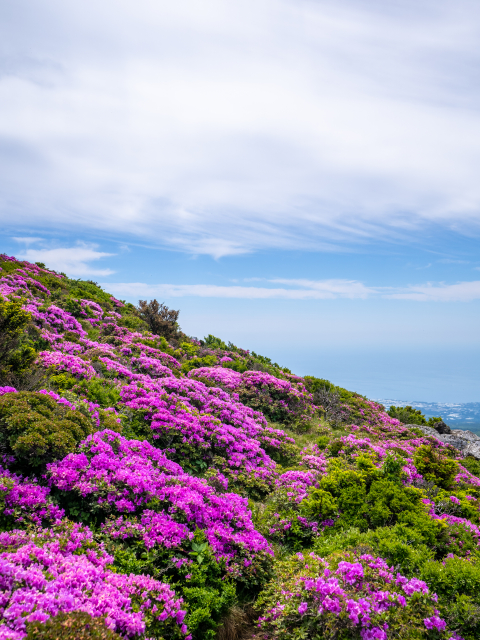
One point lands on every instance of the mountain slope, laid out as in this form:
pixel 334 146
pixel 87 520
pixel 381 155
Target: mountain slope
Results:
pixel 177 488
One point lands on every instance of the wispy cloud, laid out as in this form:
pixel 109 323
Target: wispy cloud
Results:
pixel 303 290
pixel 459 292
pixel 74 261
pixel 27 240
pixel 224 128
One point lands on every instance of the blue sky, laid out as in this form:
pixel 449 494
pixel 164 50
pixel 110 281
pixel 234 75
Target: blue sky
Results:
pixel 299 177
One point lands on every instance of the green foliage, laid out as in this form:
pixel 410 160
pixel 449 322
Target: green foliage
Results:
pixel 435 467
pixel 100 391
pixel 472 464
pixel 132 322
pixel 237 365
pixel 16 350
pixel 189 348
pixel 203 582
pixel 409 415
pixel 36 430
pixel 315 384
pixel 365 497
pixel 457 582
pixel 213 342
pixel 75 625
pixel 196 363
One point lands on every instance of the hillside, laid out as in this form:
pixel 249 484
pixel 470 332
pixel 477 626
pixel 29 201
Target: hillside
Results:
pixel 158 486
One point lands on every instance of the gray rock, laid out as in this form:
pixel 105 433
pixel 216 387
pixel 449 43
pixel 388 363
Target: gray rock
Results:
pixel 428 431
pixel 472 449
pixel 454 440
pixel 467 435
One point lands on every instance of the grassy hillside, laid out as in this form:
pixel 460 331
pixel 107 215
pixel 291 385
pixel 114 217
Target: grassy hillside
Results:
pixel 158 486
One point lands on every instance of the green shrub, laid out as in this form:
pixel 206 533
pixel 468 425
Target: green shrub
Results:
pixel 75 625
pixel 16 350
pixel 213 342
pixel 435 467
pixel 36 430
pixel 409 415
pixel 196 363
pixel 472 464
pixel 100 391
pixel 203 582
pixel 316 384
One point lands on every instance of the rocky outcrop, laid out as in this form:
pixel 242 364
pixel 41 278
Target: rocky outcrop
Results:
pixel 442 428
pixel 465 441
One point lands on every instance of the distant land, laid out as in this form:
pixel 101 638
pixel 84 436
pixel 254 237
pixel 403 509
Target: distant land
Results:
pixel 458 415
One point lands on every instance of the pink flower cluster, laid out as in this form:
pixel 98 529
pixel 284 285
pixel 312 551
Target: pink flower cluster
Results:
pixel 26 501
pixel 64 362
pixel 41 578
pixel 116 476
pixel 362 590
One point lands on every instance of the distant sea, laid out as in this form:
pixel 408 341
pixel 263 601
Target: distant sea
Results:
pixel 456 415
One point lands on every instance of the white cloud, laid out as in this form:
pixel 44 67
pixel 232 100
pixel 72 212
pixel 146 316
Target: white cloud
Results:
pixel 459 292
pixel 71 260
pixel 27 240
pixel 302 290
pixel 328 290
pixel 222 128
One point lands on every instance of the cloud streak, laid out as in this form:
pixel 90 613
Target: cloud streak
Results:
pixel 224 129
pixel 303 290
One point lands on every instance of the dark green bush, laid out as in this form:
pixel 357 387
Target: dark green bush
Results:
pixel 36 430
pixel 75 625
pixel 161 320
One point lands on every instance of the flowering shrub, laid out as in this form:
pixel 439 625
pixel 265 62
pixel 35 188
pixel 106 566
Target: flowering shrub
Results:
pixel 279 400
pixel 112 475
pixel 40 578
pixel 65 362
pixel 25 502
pixel 348 596
pixel 201 441
pixel 74 625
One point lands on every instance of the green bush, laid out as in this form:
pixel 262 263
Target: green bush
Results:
pixel 196 363
pixel 213 342
pixel 363 497
pixel 435 467
pixel 75 625
pixel 35 429
pixel 409 415
pixel 16 351
pixel 316 384
pixel 100 391
pixel 203 582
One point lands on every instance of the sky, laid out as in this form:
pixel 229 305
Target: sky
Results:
pixel 299 177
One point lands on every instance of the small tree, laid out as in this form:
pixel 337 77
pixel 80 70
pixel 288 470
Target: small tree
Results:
pixel 160 319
